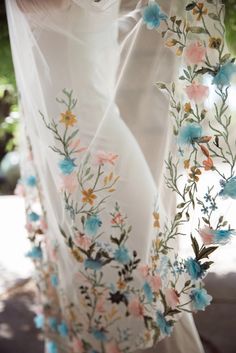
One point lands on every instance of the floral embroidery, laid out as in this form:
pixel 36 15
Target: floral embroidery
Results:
pixel 229 188
pixel 39 321
pixel 194 268
pixel 224 75
pixel 218 236
pixel 67 166
pixel 195 53
pixel 172 298
pixel 89 196
pixel 200 10
pixel 52 347
pixel 152 15
pixel 190 133
pixel 102 157
pixel 155 292
pixel 31 181
pixel 200 298
pixel 165 326
pixel 68 118
pixel 197 93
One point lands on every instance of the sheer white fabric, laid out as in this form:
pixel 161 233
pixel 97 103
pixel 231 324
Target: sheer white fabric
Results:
pixel 102 52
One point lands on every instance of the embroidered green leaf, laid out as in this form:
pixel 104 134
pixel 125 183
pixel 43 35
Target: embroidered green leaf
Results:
pixel 225 58
pixel 191 6
pixel 195 246
pixel 213 16
pixel 205 252
pixel 196 29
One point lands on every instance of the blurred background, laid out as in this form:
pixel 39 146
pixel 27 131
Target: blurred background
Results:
pixel 17 290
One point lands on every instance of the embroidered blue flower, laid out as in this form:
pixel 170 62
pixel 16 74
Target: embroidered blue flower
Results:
pixel 200 298
pixel 229 188
pixel 63 329
pixel 92 264
pixel 122 255
pixel 92 225
pixel 54 280
pixel 39 321
pixel 100 335
pixel 207 197
pixel 35 253
pixel 204 209
pixel 189 133
pixel 148 292
pixel 194 268
pixel 67 166
pixel 152 15
pixel 224 75
pixel 222 236
pixel 33 217
pixel 52 347
pixel 165 327
pixel 52 322
pixel 31 181
pixel 213 206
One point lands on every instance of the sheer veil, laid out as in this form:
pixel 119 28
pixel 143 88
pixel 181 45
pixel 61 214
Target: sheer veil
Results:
pixel 98 133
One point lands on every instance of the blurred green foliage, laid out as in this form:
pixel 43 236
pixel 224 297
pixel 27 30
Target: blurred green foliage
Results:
pixel 8 96
pixel 7 76
pixel 230 23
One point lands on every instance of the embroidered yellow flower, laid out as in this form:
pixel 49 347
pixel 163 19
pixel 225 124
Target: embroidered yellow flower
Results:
pixel 156 223
pixel 147 336
pixel 179 51
pixel 171 42
pixel 158 243
pixel 200 10
pixel 121 284
pixel 186 164
pixel 68 118
pixel 195 173
pixel 89 196
pixel 187 107
pixel 77 255
pixel 214 43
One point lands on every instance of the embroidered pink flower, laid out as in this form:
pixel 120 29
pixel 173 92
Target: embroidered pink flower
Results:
pixel 155 283
pixel 100 304
pixel 117 219
pixel 172 297
pixel 75 146
pixel 43 224
pixel 135 308
pixel 194 53
pixel 69 182
pixel 83 241
pixel 77 345
pixel 37 309
pixel 112 347
pixel 52 250
pixel 143 270
pixel 206 235
pixel 29 227
pixel 197 93
pixel 103 157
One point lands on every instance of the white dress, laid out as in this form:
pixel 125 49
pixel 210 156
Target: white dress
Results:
pixel 100 218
